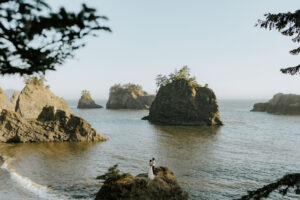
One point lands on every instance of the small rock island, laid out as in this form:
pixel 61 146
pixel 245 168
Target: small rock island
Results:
pixel 37 115
pixel 118 186
pixel 280 104
pixel 129 96
pixel 86 101
pixel 182 101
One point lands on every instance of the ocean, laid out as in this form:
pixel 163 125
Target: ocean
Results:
pixel 252 149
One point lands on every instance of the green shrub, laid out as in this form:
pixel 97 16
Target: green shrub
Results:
pixel 113 174
pixel 129 87
pixel 86 94
pixel 34 80
pixel 183 73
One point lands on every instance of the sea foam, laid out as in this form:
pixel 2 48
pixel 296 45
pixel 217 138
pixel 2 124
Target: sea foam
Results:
pixel 43 192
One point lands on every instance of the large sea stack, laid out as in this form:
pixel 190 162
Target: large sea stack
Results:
pixel 181 101
pixel 126 187
pixel 86 101
pixel 39 116
pixel 129 96
pixel 281 104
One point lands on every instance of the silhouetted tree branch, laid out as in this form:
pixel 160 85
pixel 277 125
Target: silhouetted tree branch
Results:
pixel 283 184
pixel 287 24
pixel 35 39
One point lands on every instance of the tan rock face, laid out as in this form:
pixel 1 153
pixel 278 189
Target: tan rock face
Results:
pixel 34 98
pixel 123 99
pixel 51 126
pixel 282 104
pixel 179 103
pixel 164 186
pixel 3 100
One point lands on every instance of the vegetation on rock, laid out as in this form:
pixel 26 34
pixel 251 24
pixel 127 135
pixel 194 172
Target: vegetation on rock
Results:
pixel 183 73
pixel 128 87
pixel 113 174
pixel 35 80
pixel 128 96
pixel 86 94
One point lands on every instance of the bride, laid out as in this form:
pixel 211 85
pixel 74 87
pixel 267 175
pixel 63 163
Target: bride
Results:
pixel 150 172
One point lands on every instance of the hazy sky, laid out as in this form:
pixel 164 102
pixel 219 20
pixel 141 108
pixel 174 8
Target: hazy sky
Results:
pixel 216 39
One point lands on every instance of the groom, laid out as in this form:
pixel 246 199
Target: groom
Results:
pixel 153 164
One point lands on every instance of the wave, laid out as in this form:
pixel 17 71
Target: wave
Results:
pixel 41 191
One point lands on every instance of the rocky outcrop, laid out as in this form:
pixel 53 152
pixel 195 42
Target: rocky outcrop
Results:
pixel 126 97
pixel 163 187
pixel 86 102
pixel 34 98
pixel 181 103
pixel 51 126
pixel 283 104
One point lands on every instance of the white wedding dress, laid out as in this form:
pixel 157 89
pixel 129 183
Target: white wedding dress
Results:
pixel 150 173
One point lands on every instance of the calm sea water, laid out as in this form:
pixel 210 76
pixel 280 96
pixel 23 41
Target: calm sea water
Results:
pixel 251 150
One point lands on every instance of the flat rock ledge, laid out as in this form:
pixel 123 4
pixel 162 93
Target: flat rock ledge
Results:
pixel 163 187
pixel 51 126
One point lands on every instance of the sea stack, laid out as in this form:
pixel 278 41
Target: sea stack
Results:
pixel 86 101
pixel 129 96
pixel 281 104
pixel 124 186
pixel 182 101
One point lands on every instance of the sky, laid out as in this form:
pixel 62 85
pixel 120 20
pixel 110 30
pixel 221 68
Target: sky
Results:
pixel 217 39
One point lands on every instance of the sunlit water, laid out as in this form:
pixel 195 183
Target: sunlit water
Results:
pixel 251 150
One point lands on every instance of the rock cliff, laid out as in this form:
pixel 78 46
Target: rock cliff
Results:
pixel 283 104
pixel 51 126
pixel 182 103
pixel 163 187
pixel 33 98
pixel 129 96
pixel 86 101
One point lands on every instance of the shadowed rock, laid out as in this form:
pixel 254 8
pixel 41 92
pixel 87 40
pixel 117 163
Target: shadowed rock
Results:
pixel 51 126
pixel 86 102
pixel 180 103
pixel 163 187
pixel 282 104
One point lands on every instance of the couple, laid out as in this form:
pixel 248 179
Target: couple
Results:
pixel 151 169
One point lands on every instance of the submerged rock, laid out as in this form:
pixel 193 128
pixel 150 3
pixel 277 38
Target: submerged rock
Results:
pixel 86 101
pixel 129 96
pixel 34 98
pixel 163 187
pixel 283 104
pixel 51 126
pixel 182 103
